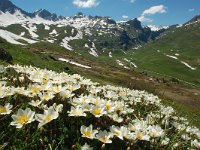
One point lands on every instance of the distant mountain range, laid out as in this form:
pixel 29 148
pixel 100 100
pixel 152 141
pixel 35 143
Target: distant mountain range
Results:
pixel 91 33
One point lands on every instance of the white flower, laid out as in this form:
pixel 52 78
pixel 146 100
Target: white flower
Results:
pixel 98 111
pixel 195 143
pixel 110 107
pixel 73 87
pixel 94 90
pixel 88 132
pixel 46 96
pixel 58 107
pixel 78 111
pixel 165 141
pixel 104 136
pixel 116 117
pixel 35 103
pixel 22 117
pixel 139 135
pixel 47 117
pixel 155 131
pixel 5 109
pixel 66 94
pixel 86 147
pixel 118 131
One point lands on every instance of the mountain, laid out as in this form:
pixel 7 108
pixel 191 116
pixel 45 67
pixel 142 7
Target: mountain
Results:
pixel 94 33
pixel 193 20
pixel 45 14
pixel 8 6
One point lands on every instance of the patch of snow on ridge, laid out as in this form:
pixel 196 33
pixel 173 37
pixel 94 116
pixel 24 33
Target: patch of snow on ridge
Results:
pixel 157 28
pixel 93 50
pixel 110 54
pixel 12 38
pixel 22 34
pixel 74 63
pixel 54 32
pixel 131 63
pixel 31 29
pixel 187 65
pixel 174 57
pixel 119 63
pixel 46 27
pixel 66 40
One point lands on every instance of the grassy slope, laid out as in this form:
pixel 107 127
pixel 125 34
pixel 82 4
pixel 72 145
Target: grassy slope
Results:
pixel 183 41
pixel 107 73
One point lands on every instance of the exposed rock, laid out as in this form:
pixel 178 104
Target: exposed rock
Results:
pixel 5 56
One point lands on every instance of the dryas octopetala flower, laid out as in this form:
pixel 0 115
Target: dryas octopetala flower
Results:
pixel 78 111
pixel 86 147
pixel 98 111
pixel 35 103
pixel 139 135
pixel 195 144
pixel 22 117
pixel 46 96
pixel 118 131
pixel 47 117
pixel 66 94
pixel 4 110
pixel 104 136
pixel 88 132
pixel 155 131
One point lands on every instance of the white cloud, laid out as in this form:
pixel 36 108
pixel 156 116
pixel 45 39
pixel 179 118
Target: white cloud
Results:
pixel 144 19
pixel 125 17
pixel 155 9
pixel 132 1
pixel 151 11
pixel 191 10
pixel 86 3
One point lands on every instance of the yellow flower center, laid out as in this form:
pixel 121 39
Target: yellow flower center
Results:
pixel 3 109
pixel 49 118
pixel 46 76
pixel 104 139
pixel 108 106
pixel 118 133
pixel 46 97
pixel 45 81
pixel 97 111
pixel 97 102
pixel 88 133
pixel 23 119
pixel 35 90
pixel 132 128
pixel 139 136
pixel 72 88
pixel 93 91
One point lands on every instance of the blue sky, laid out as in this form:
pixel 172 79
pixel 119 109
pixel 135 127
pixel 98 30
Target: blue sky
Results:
pixel 154 12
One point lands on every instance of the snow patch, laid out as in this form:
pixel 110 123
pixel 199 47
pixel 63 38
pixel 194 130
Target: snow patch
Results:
pixel 110 54
pixel 46 27
pixel 31 29
pixel 157 28
pixel 74 63
pixel 66 40
pixel 187 65
pixel 54 32
pixel 131 63
pixel 22 34
pixel 174 57
pixel 12 38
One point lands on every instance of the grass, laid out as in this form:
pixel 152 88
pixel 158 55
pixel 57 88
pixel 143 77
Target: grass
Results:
pixel 183 41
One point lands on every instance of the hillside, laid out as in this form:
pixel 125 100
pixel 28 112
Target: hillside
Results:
pixel 175 54
pixel 163 61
